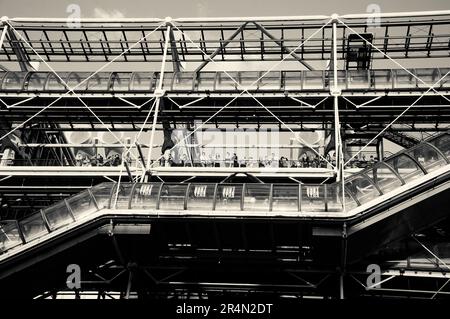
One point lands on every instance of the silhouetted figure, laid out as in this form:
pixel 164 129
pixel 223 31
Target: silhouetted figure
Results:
pixel 235 160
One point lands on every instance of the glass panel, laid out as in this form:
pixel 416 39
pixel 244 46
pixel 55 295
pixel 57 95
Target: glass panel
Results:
pixel 350 203
pixel 429 76
pixel 14 81
pixel 205 81
pixel 143 81
pixel 2 75
pixel 102 194
pixel 9 236
pixel 443 144
pixel 55 84
pixel 228 197
pixel 76 78
pixel 33 227
pixel 334 197
pixel 382 79
pixel 405 167
pixel 121 82
pixel 429 158
pixel 292 81
pixel 99 82
pixel 82 205
pixel 404 79
pixel 270 81
pixel 285 198
pixel 358 79
pixel 167 80
pixel 247 80
pixel 362 188
pixel 145 196
pixel 201 197
pixel 58 215
pixel 445 82
pixel 172 196
pixel 257 197
pixel 342 79
pixel 123 197
pixel 384 177
pixel 36 82
pixel 183 82
pixel 313 198
pixel 224 82
pixel 313 80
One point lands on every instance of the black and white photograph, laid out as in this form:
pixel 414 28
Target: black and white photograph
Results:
pixel 225 158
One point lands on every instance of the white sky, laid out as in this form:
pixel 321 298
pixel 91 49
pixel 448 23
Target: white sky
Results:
pixel 197 8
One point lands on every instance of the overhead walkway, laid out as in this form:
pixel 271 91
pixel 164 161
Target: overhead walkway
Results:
pixel 425 166
pixel 131 83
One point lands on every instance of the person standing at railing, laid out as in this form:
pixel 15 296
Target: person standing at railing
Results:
pixel 99 158
pixel 93 161
pixel 203 159
pixel 79 159
pixel 217 161
pixel 421 159
pixel 86 161
pixel 304 160
pixel 116 160
pixel 183 160
pixel 7 158
pixel 128 159
pixel 235 160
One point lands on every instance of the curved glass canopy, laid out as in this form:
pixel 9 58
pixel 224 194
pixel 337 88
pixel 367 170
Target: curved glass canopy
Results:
pixel 249 199
pixel 219 81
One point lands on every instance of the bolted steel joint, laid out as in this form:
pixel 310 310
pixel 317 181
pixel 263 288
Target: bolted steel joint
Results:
pixel 334 17
pixel 159 92
pixel 4 20
pixel 168 21
pixel 336 92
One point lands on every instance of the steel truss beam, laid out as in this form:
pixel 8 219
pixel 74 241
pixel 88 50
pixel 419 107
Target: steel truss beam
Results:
pixel 400 36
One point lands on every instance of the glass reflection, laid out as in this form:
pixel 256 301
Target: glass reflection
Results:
pixel 33 227
pixel 405 167
pixel 145 196
pixel 285 198
pixel 257 197
pixel 428 157
pixel 361 188
pixel 228 197
pixel 201 197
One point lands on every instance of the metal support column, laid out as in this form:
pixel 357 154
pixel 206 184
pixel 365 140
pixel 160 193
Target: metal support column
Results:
pixel 380 148
pixel 341 286
pixel 159 94
pixel 335 92
pixel 2 37
pixel 175 57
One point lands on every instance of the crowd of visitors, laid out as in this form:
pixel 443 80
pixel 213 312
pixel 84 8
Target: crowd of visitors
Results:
pixel 232 160
pixel 98 160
